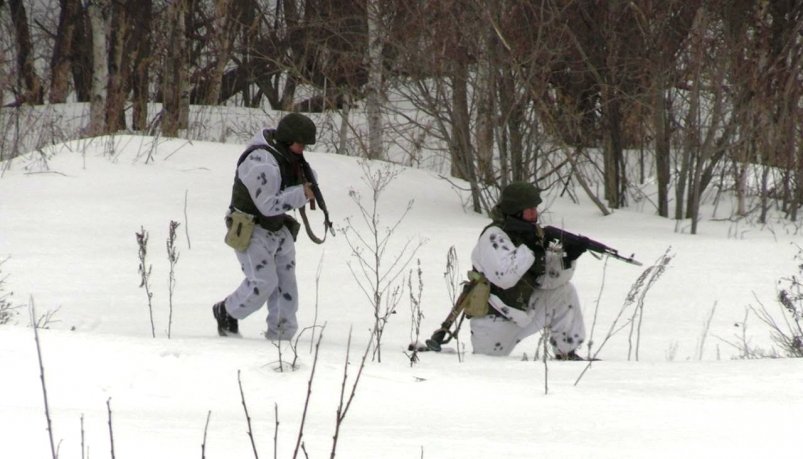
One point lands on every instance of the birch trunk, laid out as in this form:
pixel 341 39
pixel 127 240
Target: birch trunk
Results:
pixel 222 41
pixel 374 87
pixel 175 110
pixel 97 104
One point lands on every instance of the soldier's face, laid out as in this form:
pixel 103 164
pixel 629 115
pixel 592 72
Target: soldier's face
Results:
pixel 297 148
pixel 530 215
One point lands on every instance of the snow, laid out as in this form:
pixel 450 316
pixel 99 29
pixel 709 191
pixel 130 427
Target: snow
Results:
pixel 67 232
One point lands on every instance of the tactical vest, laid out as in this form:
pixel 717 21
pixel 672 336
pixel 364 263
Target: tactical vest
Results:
pixel 521 232
pixel 290 171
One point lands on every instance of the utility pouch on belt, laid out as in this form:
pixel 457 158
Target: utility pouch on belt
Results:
pixel 240 227
pixel 293 225
pixel 474 298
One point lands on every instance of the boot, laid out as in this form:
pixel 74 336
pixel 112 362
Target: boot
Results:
pixel 226 324
pixel 567 356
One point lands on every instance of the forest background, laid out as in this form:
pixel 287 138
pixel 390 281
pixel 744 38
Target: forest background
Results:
pixel 659 107
pixel 666 102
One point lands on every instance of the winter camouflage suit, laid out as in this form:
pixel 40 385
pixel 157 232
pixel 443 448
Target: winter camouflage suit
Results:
pixel 268 184
pixel 530 283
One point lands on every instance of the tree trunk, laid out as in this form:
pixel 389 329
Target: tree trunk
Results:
pixel 374 87
pixel 613 148
pixel 506 98
pixel 141 58
pixel 222 39
pixel 97 106
pixel 582 181
pixel 117 88
pixel 175 70
pixel 460 145
pixel 518 168
pixel 31 89
pixel 344 125
pixel 4 84
pixel 62 50
pixel 82 56
pixel 662 142
pixel 485 91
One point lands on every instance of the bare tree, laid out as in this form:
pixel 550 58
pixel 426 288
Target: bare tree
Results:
pixel 119 66
pixel 97 110
pixel 175 78
pixel 141 58
pixel 223 26
pixel 373 104
pixel 62 50
pixel 30 88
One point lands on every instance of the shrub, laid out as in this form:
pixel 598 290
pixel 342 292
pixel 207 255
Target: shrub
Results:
pixel 7 310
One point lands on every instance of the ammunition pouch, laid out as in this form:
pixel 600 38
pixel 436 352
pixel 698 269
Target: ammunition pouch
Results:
pixel 474 298
pixel 240 227
pixel 292 225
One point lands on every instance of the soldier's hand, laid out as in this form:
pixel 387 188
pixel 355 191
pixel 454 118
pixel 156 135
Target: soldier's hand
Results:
pixel 574 251
pixel 308 191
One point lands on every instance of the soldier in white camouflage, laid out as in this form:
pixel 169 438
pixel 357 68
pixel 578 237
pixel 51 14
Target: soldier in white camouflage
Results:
pixel 269 183
pixel 530 281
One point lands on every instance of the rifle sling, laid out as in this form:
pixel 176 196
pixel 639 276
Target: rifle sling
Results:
pixel 307 228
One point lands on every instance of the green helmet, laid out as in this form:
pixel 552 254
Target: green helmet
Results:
pixel 296 128
pixel 518 196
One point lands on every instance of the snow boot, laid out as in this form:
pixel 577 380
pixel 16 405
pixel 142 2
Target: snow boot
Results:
pixel 568 356
pixel 226 324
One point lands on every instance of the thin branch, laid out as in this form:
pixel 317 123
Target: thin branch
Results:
pixel 247 417
pixel 309 394
pixel 276 430
pixel 187 221
pixel 42 378
pixel 111 430
pixel 342 409
pixel 206 428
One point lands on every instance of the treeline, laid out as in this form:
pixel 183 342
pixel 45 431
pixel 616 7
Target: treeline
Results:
pixel 558 91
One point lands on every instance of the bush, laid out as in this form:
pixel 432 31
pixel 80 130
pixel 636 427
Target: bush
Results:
pixel 7 311
pixel 789 334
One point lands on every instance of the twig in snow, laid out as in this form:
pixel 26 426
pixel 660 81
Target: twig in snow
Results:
pixel 186 221
pixel 145 273
pixel 342 409
pixel 309 394
pixel 247 417
pixel 83 448
pixel 276 431
pixel 111 430
pixel 42 378
pixel 206 428
pixel 172 258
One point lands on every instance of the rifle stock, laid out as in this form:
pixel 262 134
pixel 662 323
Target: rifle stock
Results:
pixel 567 239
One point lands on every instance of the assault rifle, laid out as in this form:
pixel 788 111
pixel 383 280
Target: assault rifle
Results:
pixel 309 176
pixel 568 239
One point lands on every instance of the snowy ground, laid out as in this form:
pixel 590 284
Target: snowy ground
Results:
pixel 67 229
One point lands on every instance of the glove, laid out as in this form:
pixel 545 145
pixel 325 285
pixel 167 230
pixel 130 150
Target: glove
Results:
pixel 574 251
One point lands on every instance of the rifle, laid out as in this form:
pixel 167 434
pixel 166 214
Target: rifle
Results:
pixel 568 239
pixel 309 176
pixel 444 334
pixel 473 300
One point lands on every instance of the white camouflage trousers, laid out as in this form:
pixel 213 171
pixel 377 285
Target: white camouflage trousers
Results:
pixel 269 265
pixel 558 308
